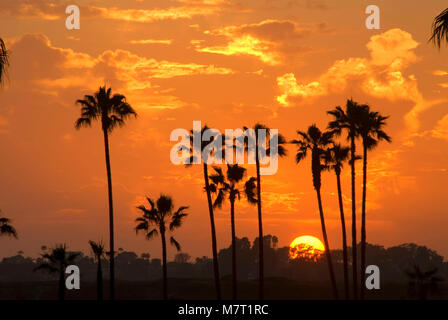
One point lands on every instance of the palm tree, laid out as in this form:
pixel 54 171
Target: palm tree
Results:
pixel 439 32
pixel 153 221
pixel 191 160
pixel 347 120
pixel 422 283
pixel 370 128
pixel 55 263
pixel 335 158
pixel 6 228
pixel 98 253
pixel 4 60
pixel 281 151
pixel 227 187
pixel 315 140
pixel 112 111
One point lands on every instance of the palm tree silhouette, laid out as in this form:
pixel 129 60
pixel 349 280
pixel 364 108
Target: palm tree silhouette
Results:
pixel 281 151
pixel 439 28
pixel 98 253
pixel 422 283
pixel 6 229
pixel 370 129
pixel 227 187
pixel 315 141
pixel 56 262
pixel 335 158
pixel 191 160
pixel 347 120
pixel 153 221
pixel 112 111
pixel 4 60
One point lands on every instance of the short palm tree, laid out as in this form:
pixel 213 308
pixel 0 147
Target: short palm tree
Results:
pixel 335 158
pixel 316 141
pixel 439 28
pixel 346 120
pixel 191 160
pixel 6 229
pixel 422 283
pixel 112 112
pixel 4 60
pixel 56 262
pixel 259 148
pixel 228 187
pixel 98 253
pixel 370 129
pixel 154 221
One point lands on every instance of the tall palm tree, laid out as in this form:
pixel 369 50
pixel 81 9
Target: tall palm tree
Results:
pixel 56 262
pixel 370 129
pixel 191 160
pixel 439 28
pixel 98 253
pixel 4 60
pixel 315 140
pixel 347 121
pixel 154 221
pixel 228 187
pixel 335 158
pixel 6 229
pixel 112 111
pixel 281 152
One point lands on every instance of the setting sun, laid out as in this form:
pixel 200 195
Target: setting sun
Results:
pixel 307 247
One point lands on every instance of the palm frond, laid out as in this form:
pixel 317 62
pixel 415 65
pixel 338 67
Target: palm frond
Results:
pixel 175 243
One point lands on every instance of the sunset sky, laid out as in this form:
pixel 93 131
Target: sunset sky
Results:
pixel 227 63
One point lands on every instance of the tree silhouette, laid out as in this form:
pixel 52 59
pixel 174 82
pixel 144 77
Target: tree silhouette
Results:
pixel 439 32
pixel 269 150
pixel 6 229
pixel 347 121
pixel 228 187
pixel 56 262
pixel 153 221
pixel 422 283
pixel 191 160
pixel 98 253
pixel 335 158
pixel 112 111
pixel 370 128
pixel 315 141
pixel 4 60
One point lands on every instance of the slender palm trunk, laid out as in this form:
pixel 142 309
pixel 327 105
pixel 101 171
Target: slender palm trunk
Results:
pixel 344 236
pixel 354 253
pixel 234 275
pixel 260 226
pixel 213 231
pixel 111 217
pixel 61 285
pixel 164 270
pixel 327 247
pixel 99 281
pixel 363 221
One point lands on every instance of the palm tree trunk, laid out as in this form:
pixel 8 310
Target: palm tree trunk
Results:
pixel 327 247
pixel 344 237
pixel 234 275
pixel 363 221
pixel 61 285
pixel 99 281
pixel 111 217
pixel 165 274
pixel 213 231
pixel 354 252
pixel 260 226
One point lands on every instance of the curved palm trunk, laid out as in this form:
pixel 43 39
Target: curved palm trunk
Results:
pixel 354 253
pixel 61 284
pixel 165 274
pixel 344 237
pixel 327 247
pixel 260 226
pixel 363 221
pixel 99 280
pixel 213 231
pixel 234 274
pixel 111 217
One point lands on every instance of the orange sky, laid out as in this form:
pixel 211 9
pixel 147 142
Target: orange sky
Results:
pixel 228 63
